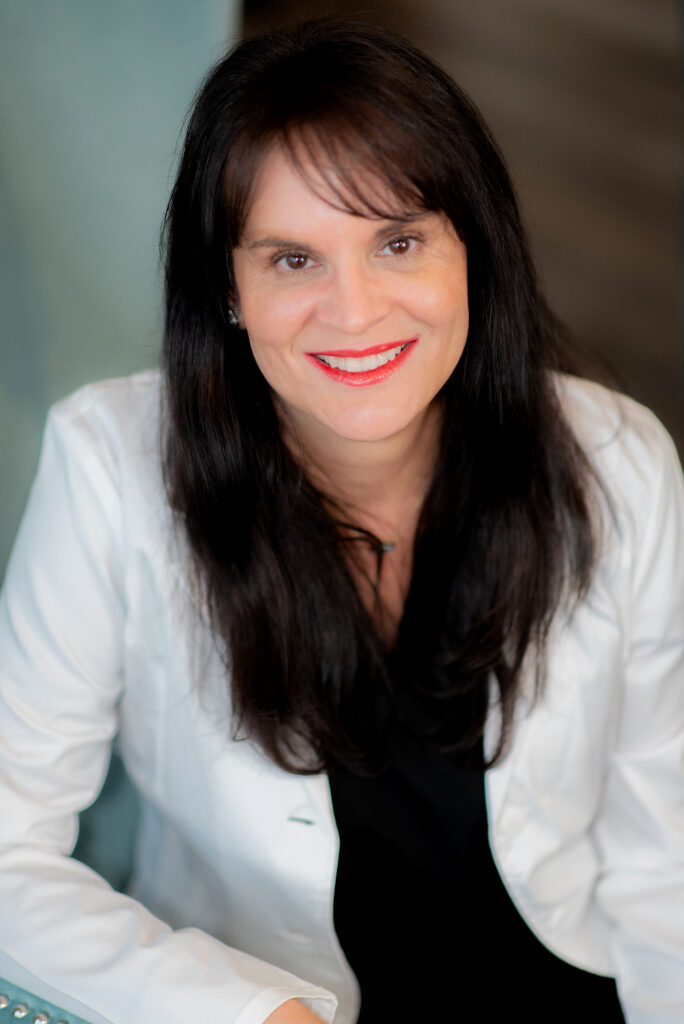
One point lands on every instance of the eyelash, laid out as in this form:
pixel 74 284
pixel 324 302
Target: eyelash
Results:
pixel 279 259
pixel 413 239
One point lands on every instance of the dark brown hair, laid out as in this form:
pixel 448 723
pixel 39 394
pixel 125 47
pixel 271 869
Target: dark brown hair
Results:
pixel 505 533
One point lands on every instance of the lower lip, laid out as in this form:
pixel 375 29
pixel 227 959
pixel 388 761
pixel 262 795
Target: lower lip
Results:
pixel 366 377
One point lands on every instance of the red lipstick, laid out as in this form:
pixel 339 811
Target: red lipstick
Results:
pixel 361 353
pixel 361 378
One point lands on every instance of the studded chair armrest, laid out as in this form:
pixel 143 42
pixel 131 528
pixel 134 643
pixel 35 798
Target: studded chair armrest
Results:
pixel 19 1004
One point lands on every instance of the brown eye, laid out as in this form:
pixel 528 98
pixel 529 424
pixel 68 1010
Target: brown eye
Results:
pixel 399 246
pixel 294 261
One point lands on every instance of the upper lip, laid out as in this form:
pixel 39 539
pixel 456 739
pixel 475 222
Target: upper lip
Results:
pixel 360 353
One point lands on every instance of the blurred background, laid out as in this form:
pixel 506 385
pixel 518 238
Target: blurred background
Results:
pixel 584 98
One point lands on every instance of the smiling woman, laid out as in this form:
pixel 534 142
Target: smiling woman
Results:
pixel 329 297
pixel 383 599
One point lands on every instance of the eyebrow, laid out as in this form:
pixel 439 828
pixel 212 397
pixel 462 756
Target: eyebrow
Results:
pixel 388 226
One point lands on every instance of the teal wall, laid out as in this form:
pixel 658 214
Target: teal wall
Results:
pixel 92 99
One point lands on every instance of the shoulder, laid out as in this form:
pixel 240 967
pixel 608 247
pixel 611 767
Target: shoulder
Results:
pixel 632 453
pixel 103 444
pixel 639 580
pixel 611 426
pixel 114 421
pixel 115 408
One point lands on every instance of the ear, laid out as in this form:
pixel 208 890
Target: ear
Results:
pixel 234 315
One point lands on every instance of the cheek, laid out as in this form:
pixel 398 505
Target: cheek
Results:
pixel 273 331
pixel 275 368
pixel 269 350
pixel 274 319
pixel 443 303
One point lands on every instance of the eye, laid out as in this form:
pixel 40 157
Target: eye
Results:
pixel 292 260
pixel 400 246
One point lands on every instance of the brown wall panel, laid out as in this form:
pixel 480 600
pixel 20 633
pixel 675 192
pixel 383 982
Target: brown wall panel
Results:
pixel 585 100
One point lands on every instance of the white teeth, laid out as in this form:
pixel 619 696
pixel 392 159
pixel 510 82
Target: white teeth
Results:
pixel 361 365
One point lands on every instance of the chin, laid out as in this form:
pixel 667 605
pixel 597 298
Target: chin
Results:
pixel 371 426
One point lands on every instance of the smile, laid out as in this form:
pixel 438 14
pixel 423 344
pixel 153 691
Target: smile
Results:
pixel 360 368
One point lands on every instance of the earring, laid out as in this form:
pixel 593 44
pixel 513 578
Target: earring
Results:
pixel 233 317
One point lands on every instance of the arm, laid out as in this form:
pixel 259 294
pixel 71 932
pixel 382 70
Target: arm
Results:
pixel 640 830
pixel 292 1012
pixel 61 621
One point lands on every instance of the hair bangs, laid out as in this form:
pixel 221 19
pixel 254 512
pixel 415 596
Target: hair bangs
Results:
pixel 355 167
pixel 354 156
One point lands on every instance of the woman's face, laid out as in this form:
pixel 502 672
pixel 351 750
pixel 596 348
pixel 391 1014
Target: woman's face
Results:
pixel 355 322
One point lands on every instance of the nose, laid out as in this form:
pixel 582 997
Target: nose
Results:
pixel 354 300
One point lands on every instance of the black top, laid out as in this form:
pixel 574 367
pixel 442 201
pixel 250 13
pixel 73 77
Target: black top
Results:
pixel 421 912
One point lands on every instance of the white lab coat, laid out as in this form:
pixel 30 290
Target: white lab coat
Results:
pixel 101 635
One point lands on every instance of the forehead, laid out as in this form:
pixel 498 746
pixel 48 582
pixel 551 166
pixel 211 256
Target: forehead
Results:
pixel 293 182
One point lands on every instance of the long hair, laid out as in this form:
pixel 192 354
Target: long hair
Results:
pixel 505 534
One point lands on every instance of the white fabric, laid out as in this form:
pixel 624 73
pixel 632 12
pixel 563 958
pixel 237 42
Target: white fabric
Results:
pixel 100 634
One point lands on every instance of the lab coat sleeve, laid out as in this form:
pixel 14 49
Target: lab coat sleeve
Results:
pixel 62 613
pixel 640 828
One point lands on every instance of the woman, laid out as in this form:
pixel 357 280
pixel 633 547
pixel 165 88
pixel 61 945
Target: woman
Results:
pixel 394 562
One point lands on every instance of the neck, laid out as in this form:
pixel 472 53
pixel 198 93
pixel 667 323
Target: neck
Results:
pixel 380 485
